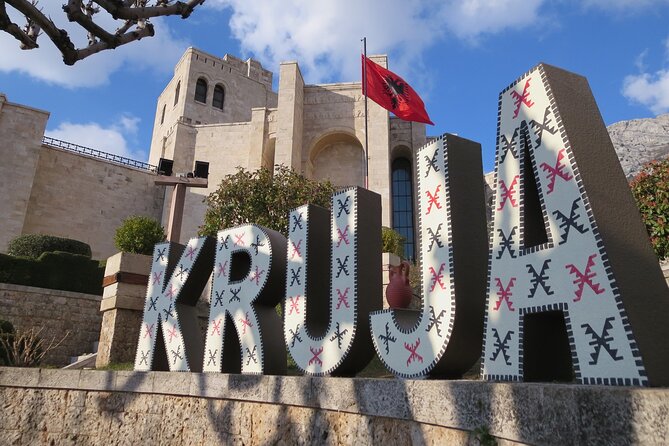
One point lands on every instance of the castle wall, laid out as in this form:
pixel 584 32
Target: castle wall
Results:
pixel 225 147
pixel 84 198
pixel 21 131
pixel 246 85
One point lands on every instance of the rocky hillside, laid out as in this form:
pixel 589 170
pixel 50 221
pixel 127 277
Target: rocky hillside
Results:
pixel 639 141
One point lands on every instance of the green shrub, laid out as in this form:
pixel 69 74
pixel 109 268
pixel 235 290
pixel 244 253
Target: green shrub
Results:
pixel 651 191
pixel 392 241
pixel 34 245
pixel 262 197
pixel 139 234
pixel 53 270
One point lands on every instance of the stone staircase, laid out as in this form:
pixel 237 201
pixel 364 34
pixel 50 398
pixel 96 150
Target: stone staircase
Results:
pixel 85 360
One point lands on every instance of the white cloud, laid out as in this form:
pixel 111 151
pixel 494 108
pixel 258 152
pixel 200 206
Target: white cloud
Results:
pixel 324 36
pixel 651 90
pixel 112 139
pixel 45 63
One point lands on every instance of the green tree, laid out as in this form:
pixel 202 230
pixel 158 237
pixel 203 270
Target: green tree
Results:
pixel 262 197
pixel 139 234
pixel 651 191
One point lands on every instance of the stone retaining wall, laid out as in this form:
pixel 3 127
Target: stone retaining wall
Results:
pixel 58 312
pixel 97 407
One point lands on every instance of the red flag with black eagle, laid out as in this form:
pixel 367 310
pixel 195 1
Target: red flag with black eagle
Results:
pixel 392 93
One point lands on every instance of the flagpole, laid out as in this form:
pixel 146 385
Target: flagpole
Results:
pixel 364 89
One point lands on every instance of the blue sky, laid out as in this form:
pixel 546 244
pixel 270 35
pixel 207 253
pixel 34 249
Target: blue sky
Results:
pixel 457 54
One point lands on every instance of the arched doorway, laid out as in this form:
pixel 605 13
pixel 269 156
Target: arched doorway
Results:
pixel 340 158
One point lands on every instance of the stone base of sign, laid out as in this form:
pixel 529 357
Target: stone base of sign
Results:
pixel 41 406
pixel 122 305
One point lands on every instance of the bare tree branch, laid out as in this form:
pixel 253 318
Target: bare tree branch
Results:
pixel 134 13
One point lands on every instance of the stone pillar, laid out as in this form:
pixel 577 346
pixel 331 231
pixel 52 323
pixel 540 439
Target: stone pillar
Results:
pixel 126 277
pixel 290 123
pixel 258 137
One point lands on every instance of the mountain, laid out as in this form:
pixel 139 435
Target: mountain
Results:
pixel 639 141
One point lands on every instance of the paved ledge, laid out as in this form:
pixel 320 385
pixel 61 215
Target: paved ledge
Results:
pixel 524 412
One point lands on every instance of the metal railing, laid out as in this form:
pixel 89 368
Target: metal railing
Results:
pixel 57 143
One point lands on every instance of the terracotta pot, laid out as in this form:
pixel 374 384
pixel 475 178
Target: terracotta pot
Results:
pixel 398 292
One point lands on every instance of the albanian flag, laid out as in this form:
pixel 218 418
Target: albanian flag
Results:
pixel 392 93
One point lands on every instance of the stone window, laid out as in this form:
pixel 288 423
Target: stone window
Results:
pixel 176 93
pixel 219 97
pixel 402 193
pixel 162 115
pixel 201 91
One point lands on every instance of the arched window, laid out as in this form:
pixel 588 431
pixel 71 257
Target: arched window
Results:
pixel 176 93
pixel 219 97
pixel 402 191
pixel 162 115
pixel 201 91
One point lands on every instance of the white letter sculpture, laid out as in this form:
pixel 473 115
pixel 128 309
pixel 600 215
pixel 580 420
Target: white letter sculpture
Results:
pixel 569 258
pixel 442 340
pixel 248 283
pixel 169 337
pixel 343 274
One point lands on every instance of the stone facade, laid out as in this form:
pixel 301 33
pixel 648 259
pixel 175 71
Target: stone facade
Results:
pixel 58 312
pixel 318 130
pixel 96 407
pixel 21 130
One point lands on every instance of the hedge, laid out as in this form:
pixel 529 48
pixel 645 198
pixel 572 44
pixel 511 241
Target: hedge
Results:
pixel 54 270
pixel 34 245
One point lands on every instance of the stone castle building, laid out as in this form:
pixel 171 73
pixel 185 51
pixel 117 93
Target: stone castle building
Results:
pixel 223 111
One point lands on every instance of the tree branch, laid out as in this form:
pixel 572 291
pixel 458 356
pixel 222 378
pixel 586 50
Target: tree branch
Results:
pixel 134 16
pixel 118 11
pixel 12 28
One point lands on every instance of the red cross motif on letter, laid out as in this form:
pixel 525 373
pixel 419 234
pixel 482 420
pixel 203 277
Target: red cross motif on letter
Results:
pixel 221 269
pixel 437 277
pixel 294 302
pixel 245 323
pixel 190 253
pixel 149 331
pixel 343 298
pixel 504 293
pixel 296 249
pixel 433 199
pixel 171 291
pixel 556 171
pixel 173 333
pixel 507 193
pixel 343 236
pixel 413 354
pixel 585 278
pixel 239 239
pixel 157 276
pixel 255 277
pixel 216 327
pixel 316 353
pixel 520 99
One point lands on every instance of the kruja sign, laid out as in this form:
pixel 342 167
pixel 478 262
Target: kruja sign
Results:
pixel 570 287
